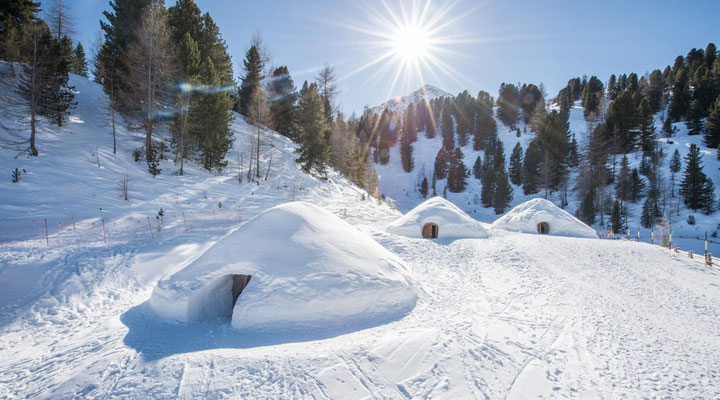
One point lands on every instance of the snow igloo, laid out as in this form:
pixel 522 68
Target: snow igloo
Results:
pixel 293 266
pixel 437 218
pixel 543 217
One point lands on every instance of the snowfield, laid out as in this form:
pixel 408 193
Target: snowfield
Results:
pixel 511 315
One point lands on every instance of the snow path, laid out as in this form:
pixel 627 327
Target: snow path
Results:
pixel 512 316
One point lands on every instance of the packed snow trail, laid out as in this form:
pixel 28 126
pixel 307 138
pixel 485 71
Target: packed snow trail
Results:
pixel 512 316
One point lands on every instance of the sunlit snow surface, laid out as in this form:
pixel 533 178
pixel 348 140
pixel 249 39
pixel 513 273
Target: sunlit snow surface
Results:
pixel 512 315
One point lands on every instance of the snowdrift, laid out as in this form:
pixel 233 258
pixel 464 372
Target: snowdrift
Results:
pixel 451 221
pixel 528 216
pixel 308 269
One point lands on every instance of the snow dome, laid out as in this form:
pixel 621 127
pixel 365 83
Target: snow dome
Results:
pixel 437 218
pixel 543 217
pixel 294 265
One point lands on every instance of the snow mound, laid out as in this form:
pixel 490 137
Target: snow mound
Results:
pixel 527 216
pixel 308 269
pixel 451 221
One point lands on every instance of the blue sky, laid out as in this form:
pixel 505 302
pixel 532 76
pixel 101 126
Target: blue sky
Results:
pixel 513 41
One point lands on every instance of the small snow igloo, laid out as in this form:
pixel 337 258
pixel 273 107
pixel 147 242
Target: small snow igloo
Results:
pixel 543 217
pixel 293 266
pixel 437 218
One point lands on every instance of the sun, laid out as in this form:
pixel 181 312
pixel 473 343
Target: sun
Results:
pixel 411 43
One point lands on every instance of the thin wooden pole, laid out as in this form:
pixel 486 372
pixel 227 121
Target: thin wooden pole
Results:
pixel 183 214
pixel 47 238
pixel 150 227
pixel 104 236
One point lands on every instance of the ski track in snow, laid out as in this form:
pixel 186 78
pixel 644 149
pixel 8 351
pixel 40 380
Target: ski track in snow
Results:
pixel 497 318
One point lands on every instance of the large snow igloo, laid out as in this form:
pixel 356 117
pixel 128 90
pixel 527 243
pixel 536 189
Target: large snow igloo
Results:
pixel 541 216
pixel 293 266
pixel 437 218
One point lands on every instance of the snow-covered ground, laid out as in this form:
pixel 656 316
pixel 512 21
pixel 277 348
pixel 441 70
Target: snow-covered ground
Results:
pixel 403 187
pixel 512 315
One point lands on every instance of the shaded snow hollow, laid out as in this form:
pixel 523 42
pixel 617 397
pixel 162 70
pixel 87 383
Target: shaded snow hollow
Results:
pixel 309 269
pixel 452 222
pixel 525 217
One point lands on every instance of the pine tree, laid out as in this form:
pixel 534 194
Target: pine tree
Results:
pixel 310 128
pixel 675 165
pixel 58 94
pixel 282 101
pixel 35 75
pixel 112 64
pixel 618 219
pixel 424 187
pixel 531 168
pixel 508 104
pixel 680 100
pixel 457 172
pixel 477 168
pixel 79 63
pixel 258 115
pixel 694 118
pixel 587 211
pixel 646 123
pixel 694 187
pixel 623 183
pixel 406 150
pixel 148 63
pixel 503 192
pixel 488 179
pixel 327 86
pixel 254 67
pixel 622 122
pixel 668 129
pixel 637 186
pixel 447 129
pixel 712 128
pixel 441 164
pixel 214 121
pixel 516 159
pixel 650 212
pixel 591 97
pixel 188 60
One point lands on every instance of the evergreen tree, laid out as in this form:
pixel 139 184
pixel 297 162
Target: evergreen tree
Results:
pixel 215 122
pixel 680 100
pixel 646 127
pixel 477 168
pixel 573 156
pixel 508 104
pixel 36 72
pixel 441 164
pixel 253 77
pixel 188 70
pixel 448 132
pixel 591 96
pixel 623 183
pixel 656 91
pixel 503 192
pixel 79 63
pixel 488 180
pixel 650 212
pixel 327 86
pixel 148 61
pixel 637 186
pixel 282 101
pixel 696 192
pixel 621 122
pixel 310 128
pixel 618 218
pixel 58 95
pixel 406 150
pixel 112 64
pixel 516 159
pixel 712 128
pixel 667 128
pixel 675 165
pixel 457 172
pixel 424 187
pixel 587 211
pixel 531 168
pixel 694 118
pixel 484 127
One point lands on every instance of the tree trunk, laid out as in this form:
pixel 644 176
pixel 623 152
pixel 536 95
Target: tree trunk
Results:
pixel 257 153
pixel 33 91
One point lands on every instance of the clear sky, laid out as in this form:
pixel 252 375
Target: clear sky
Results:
pixel 485 43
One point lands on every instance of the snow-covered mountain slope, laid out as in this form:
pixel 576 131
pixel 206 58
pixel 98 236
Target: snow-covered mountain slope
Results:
pixel 403 187
pixel 509 316
pixel 399 104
